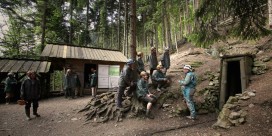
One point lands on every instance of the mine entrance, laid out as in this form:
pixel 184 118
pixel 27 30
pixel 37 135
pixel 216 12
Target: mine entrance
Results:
pixel 233 79
pixel 235 72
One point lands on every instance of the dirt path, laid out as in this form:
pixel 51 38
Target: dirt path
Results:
pixel 60 117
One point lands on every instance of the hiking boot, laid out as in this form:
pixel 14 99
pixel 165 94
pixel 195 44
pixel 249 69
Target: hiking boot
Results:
pixel 190 117
pixel 35 112
pixel 149 115
pixel 28 118
pixel 37 115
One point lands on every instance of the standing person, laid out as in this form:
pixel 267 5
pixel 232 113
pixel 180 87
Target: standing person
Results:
pixel 140 62
pixel 165 60
pixel 188 89
pixel 127 79
pixel 30 92
pixel 159 79
pixel 93 81
pixel 144 95
pixel 153 61
pixel 10 86
pixel 69 84
pixel 78 91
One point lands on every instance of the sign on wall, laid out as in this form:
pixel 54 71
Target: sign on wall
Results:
pixel 108 76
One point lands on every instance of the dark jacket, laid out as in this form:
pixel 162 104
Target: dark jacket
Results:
pixel 165 60
pixel 127 76
pixel 142 88
pixel 69 81
pixel 30 89
pixel 140 65
pixel 93 79
pixel 153 61
pixel 10 84
pixel 158 76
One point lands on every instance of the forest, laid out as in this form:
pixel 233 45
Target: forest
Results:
pixel 127 24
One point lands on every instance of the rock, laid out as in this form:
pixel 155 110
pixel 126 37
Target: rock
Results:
pixel 234 115
pixel 211 84
pixel 165 105
pixel 232 99
pixel 244 97
pixel 241 120
pixel 74 119
pixel 222 124
pixel 258 64
pixel 229 106
pixel 251 105
pixel 243 113
pixel 266 59
pixel 234 122
pixel 202 111
pixel 251 94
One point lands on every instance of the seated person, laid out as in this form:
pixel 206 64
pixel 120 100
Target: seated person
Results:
pixel 143 93
pixel 158 79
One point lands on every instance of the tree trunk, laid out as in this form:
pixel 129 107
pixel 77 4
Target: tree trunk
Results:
pixel 168 29
pixel 133 30
pixel 86 34
pixel 163 25
pixel 71 19
pixel 43 25
pixel 119 26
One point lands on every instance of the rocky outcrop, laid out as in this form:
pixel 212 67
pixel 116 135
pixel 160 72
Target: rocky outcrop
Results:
pixel 232 113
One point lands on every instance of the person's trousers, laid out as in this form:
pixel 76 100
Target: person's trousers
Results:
pixel 120 93
pixel 189 100
pixel 28 105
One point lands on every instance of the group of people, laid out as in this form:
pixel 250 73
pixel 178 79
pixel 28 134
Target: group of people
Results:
pixel 30 91
pixel 129 80
pixel 72 85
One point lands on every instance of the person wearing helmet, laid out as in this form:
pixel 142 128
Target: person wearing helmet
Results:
pixel 128 78
pixel 188 88
pixel 140 62
pixel 165 60
pixel 159 80
pixel 10 86
pixel 30 92
pixel 144 95
pixel 153 61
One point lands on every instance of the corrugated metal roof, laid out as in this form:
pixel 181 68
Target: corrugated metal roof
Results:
pixel 75 52
pixel 10 65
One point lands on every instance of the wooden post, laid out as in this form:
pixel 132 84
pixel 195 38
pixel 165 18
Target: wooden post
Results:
pixel 270 13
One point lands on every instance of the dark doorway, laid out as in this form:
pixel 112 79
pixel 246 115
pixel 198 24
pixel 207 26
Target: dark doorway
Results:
pixel 87 71
pixel 233 79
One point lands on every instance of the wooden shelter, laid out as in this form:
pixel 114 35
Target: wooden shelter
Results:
pixel 19 67
pixel 234 77
pixel 108 63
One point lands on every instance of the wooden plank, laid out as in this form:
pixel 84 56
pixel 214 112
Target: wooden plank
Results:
pixel 68 54
pixel 47 50
pixel 80 53
pixel 84 53
pixel 91 56
pixel 26 66
pixel 76 52
pixel 107 56
pixel 17 66
pixel 47 67
pixel 96 54
pixel 72 52
pixel 8 66
pixel 102 54
pixel 54 51
pixel 3 63
pixel 35 66
pixel 60 52
pixel 42 67
pixel 64 51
